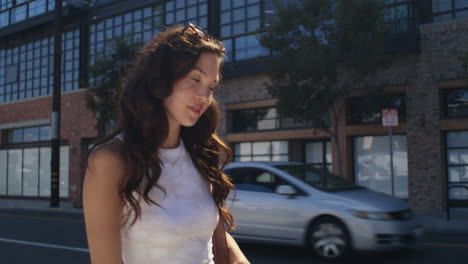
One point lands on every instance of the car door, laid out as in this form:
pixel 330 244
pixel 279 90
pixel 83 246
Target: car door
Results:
pixel 260 212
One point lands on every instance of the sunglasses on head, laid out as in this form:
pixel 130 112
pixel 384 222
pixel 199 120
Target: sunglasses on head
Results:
pixel 201 34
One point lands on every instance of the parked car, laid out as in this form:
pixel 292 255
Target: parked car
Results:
pixel 295 204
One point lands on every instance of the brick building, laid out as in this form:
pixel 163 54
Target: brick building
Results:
pixel 426 84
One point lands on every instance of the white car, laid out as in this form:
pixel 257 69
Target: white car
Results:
pixel 296 204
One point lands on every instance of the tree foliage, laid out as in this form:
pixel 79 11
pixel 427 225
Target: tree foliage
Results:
pixel 323 49
pixel 105 81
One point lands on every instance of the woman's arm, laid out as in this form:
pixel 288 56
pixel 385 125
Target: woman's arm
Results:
pixel 102 207
pixel 235 253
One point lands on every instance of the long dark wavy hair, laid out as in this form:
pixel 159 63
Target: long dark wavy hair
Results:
pixel 142 119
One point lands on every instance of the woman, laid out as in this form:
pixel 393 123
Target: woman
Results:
pixel 153 189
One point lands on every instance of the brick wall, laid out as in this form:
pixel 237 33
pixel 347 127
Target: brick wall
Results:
pixel 240 89
pixel 76 123
pixel 441 44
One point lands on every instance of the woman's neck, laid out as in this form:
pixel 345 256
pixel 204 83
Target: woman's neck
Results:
pixel 173 137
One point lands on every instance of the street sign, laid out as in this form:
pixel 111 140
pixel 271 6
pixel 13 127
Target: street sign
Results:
pixel 389 117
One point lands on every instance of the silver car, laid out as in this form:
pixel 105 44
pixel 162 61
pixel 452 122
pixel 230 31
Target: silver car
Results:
pixel 296 204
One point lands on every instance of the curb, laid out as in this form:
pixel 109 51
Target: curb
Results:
pixel 439 224
pixel 48 210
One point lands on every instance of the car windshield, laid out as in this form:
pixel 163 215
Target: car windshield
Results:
pixel 317 178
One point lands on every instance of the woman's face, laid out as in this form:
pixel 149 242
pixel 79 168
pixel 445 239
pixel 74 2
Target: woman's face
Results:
pixel 192 94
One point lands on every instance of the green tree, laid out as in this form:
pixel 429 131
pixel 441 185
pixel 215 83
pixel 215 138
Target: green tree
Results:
pixel 323 49
pixel 106 74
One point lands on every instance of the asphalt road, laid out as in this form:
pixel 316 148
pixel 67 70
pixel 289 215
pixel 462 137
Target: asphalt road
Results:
pixel 42 237
pixel 33 237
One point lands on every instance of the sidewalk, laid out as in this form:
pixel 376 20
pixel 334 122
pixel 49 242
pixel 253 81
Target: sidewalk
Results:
pixel 437 221
pixel 39 205
pixel 431 221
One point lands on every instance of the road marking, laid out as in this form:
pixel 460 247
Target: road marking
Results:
pixel 443 245
pixel 41 218
pixel 43 245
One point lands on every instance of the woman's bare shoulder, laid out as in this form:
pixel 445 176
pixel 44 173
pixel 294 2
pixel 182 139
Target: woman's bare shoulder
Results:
pixel 107 159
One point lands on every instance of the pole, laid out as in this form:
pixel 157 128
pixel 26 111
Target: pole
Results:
pixel 55 120
pixel 391 160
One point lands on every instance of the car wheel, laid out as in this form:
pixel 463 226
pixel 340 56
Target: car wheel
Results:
pixel 329 239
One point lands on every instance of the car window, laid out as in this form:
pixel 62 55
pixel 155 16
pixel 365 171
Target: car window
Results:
pixel 254 179
pixel 319 179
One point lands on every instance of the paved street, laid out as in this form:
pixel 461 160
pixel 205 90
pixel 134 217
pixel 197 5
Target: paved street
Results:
pixel 432 250
pixel 33 237
pixel 60 238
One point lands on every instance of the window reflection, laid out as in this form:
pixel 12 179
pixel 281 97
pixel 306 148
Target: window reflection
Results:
pixel 34 65
pixel 30 172
pixel 318 154
pixel 257 119
pixel 23 9
pixel 26 172
pixel 367 110
pixel 3 172
pixel 15 163
pixel 457 167
pixel 261 151
pixel 238 18
pixel 372 164
pixel 30 134
pixel 456 103
pixel 443 10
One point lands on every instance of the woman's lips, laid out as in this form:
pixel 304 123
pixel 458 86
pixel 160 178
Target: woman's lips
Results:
pixel 196 109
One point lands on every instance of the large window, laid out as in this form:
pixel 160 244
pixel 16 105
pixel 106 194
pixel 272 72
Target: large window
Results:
pixel 29 134
pixel 457 165
pixel 239 21
pixel 400 15
pixel 261 151
pixel 183 11
pixel 366 110
pixel 26 70
pixel 26 172
pixel 455 103
pixel 70 60
pixel 372 169
pixel 318 154
pixel 12 11
pixel 443 10
pixel 140 25
pixel 258 119
pixel 250 120
pixel 136 26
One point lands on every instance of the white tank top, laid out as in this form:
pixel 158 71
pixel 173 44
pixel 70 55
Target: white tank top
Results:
pixel 180 232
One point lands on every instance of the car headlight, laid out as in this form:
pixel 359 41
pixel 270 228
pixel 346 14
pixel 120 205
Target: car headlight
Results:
pixel 372 215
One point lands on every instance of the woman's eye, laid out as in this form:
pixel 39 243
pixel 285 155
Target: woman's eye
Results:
pixel 196 80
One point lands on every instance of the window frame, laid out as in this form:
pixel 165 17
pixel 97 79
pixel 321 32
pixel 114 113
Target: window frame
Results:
pixel 271 155
pixel 448 14
pixel 351 101
pixel 445 104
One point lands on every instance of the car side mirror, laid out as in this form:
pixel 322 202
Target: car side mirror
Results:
pixel 286 190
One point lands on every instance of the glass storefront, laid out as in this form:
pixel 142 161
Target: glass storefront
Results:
pixel 372 164
pixel 26 172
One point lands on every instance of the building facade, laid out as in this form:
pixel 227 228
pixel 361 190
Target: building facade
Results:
pixel 426 83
